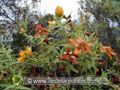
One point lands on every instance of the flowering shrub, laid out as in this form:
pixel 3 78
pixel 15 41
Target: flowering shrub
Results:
pixel 59 50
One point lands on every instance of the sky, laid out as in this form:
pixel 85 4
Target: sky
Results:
pixel 69 6
pixel 49 6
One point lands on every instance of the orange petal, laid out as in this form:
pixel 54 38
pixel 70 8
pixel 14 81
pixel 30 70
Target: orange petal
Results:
pixel 86 47
pixel 113 53
pixel 80 40
pixel 77 51
pixel 73 42
pixel 45 32
pixel 37 27
pixel 109 55
pixel 87 50
pixel 89 44
pixel 37 33
pixel 103 49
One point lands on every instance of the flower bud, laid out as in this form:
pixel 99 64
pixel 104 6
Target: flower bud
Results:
pixel 59 11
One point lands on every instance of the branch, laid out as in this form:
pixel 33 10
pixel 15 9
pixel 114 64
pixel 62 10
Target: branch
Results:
pixel 7 15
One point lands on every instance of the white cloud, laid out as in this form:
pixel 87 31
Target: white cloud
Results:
pixel 69 6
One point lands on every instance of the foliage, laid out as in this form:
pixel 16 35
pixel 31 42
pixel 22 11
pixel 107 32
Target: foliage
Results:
pixel 106 20
pixel 14 15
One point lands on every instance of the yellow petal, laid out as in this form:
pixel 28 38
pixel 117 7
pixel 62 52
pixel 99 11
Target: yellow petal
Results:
pixel 51 23
pixel 22 54
pixel 28 51
pixel 21 59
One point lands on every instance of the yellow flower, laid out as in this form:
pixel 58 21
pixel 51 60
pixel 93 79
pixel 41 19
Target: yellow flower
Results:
pixel 28 51
pixel 59 11
pixel 21 59
pixel 51 23
pixel 22 54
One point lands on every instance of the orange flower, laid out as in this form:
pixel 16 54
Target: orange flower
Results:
pixel 80 46
pixel 41 29
pixel 69 55
pixel 108 50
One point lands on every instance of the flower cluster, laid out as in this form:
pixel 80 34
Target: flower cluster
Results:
pixel 80 45
pixel 24 54
pixel 108 50
pixel 69 55
pixel 41 29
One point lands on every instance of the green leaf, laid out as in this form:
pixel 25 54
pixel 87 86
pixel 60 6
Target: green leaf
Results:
pixel 73 69
pixel 5 85
pixel 81 18
pixel 23 87
pixel 68 69
pixel 9 87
